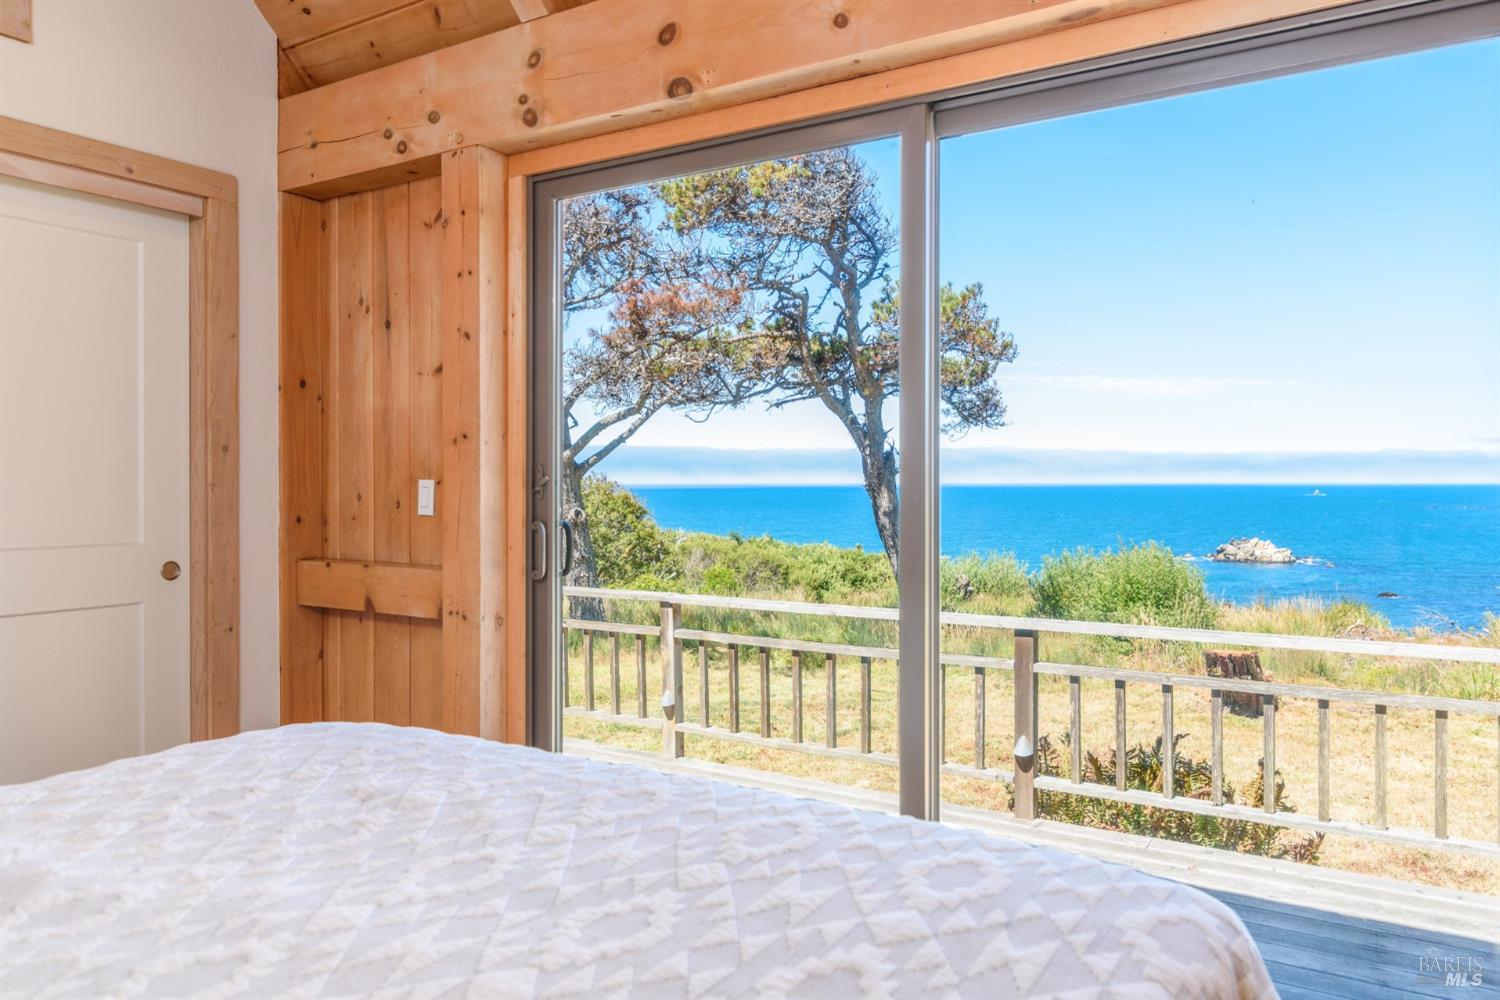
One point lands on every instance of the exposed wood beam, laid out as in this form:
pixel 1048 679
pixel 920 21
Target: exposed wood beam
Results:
pixel 530 10
pixel 618 63
pixel 1078 43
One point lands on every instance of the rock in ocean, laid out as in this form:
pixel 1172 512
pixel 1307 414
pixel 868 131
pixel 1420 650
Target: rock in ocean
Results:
pixel 1252 550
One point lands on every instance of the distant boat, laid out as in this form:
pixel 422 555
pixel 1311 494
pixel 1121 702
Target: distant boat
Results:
pixel 1315 493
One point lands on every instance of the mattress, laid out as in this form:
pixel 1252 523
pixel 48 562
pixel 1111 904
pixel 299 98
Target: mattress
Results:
pixel 366 860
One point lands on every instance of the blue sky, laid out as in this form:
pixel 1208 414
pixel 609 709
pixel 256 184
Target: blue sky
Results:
pixel 1306 267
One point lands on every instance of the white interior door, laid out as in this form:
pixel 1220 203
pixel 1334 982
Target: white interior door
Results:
pixel 94 640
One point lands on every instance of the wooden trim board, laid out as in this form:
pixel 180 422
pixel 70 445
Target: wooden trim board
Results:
pixel 79 163
pixel 61 175
pixel 15 19
pixel 386 588
pixel 54 146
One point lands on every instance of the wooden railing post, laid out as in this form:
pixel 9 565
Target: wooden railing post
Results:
pixel 1440 774
pixel 1025 751
pixel 796 696
pixel 831 719
pixel 640 675
pixel 1380 810
pixel 671 679
pixel 864 704
pixel 979 720
pixel 765 691
pixel 1168 744
pixel 734 689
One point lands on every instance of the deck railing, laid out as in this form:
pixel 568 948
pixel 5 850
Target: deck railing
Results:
pixel 1027 666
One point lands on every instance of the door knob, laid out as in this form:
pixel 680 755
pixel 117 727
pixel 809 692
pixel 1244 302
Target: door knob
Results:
pixel 170 570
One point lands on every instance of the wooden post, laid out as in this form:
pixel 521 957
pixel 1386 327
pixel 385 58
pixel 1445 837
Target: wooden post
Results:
pixel 640 675
pixel 477 573
pixel 588 669
pixel 1268 752
pixel 1025 685
pixel 671 679
pixel 1075 725
pixel 864 704
pixel 1216 759
pixel 565 667
pixel 765 691
pixel 1440 774
pixel 830 669
pixel 1168 744
pixel 979 718
pixel 1120 754
pixel 703 710
pixel 734 689
pixel 796 697
pixel 1380 821
pixel 614 672
pixel 1323 740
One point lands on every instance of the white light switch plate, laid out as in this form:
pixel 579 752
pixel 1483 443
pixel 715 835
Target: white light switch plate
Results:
pixel 426 496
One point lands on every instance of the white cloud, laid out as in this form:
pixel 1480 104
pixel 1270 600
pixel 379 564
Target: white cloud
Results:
pixel 1155 385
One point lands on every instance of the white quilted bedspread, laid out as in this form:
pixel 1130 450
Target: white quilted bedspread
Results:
pixel 364 860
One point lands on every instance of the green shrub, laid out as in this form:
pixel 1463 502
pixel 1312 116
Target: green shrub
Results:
pixel 628 544
pixel 993 579
pixel 1191 779
pixel 1142 584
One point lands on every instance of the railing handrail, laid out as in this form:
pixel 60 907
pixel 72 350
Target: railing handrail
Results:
pixel 1255 640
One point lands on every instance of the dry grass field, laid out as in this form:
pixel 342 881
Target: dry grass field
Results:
pixel 1474 754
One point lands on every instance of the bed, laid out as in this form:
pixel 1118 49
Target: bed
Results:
pixel 367 860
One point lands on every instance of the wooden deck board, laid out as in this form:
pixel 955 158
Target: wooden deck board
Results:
pixel 1365 939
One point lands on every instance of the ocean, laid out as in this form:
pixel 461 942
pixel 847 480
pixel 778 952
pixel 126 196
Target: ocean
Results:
pixel 1437 547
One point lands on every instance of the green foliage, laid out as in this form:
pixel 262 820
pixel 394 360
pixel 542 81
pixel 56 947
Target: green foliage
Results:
pixel 1141 584
pixel 995 581
pixel 1192 779
pixel 628 545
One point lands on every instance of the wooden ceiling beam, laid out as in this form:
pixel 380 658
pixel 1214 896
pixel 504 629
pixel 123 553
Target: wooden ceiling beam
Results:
pixel 617 63
pixel 530 10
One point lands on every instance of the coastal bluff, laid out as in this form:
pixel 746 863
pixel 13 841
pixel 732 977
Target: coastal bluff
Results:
pixel 1252 550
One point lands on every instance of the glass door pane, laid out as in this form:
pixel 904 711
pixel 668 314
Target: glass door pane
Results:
pixel 727 452
pixel 1223 361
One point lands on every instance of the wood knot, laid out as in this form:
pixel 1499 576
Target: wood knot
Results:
pixel 528 117
pixel 841 20
pixel 535 59
pixel 388 133
pixel 433 117
pixel 680 87
pixel 524 99
pixel 401 146
pixel 668 33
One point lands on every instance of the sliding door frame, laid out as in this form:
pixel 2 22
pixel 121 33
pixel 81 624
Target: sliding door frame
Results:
pixel 918 415
pixel 1355 33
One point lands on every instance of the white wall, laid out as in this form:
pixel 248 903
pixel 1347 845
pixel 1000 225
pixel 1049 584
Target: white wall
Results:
pixel 193 80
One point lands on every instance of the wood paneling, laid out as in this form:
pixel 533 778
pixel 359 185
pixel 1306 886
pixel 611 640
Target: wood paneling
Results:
pixel 361 394
pixel 473 294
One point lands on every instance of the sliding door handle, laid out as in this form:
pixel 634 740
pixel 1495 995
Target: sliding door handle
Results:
pixel 567 547
pixel 539 565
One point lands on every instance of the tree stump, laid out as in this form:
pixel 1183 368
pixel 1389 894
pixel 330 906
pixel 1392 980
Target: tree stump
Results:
pixel 1237 665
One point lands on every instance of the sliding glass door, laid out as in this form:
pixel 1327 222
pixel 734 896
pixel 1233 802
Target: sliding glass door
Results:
pixel 1086 297
pixel 721 458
